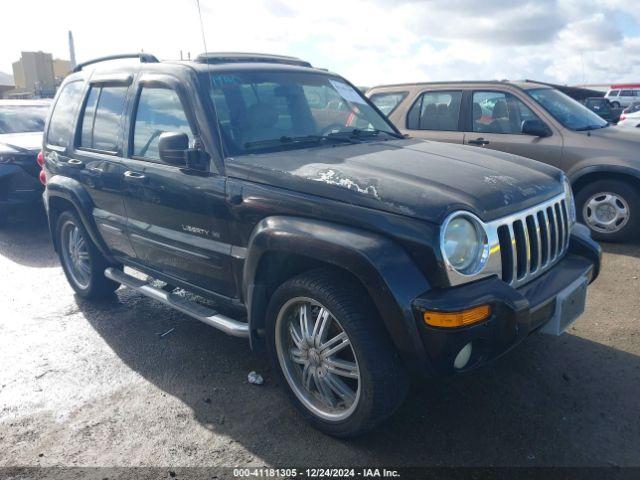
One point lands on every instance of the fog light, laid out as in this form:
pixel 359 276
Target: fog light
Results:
pixel 457 319
pixel 463 357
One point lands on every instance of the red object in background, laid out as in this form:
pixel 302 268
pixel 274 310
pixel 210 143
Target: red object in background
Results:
pixel 40 158
pixel 42 177
pixel 624 85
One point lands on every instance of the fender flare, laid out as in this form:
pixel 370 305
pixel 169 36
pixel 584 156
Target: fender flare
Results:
pixel 386 271
pixel 73 191
pixel 574 177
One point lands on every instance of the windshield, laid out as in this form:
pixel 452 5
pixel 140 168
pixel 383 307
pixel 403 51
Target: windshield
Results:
pixel 272 111
pixel 23 118
pixel 566 110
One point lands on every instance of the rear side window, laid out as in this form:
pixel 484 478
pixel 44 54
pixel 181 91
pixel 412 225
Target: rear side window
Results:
pixel 159 111
pixel 63 117
pixel 102 118
pixel 626 93
pixel 387 102
pixel 438 110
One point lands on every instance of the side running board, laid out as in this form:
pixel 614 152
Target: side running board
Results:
pixel 193 309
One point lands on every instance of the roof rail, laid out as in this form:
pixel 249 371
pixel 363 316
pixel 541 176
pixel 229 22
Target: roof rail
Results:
pixel 144 58
pixel 231 57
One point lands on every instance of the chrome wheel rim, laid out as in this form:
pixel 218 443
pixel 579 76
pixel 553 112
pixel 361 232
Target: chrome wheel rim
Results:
pixel 606 212
pixel 317 359
pixel 75 254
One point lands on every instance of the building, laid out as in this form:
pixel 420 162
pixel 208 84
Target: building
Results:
pixel 61 69
pixel 34 75
pixel 6 83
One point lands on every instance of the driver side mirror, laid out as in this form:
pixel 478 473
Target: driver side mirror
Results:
pixel 535 127
pixel 172 147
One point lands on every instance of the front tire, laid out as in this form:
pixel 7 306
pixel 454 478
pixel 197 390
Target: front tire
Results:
pixel 332 353
pixel 611 210
pixel 81 261
pixel 615 104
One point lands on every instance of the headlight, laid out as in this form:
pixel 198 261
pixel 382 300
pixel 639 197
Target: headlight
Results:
pixel 464 243
pixel 571 203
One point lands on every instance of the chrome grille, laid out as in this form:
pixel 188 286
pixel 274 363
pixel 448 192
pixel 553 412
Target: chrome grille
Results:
pixel 533 240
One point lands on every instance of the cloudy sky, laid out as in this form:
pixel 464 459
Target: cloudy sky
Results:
pixel 369 42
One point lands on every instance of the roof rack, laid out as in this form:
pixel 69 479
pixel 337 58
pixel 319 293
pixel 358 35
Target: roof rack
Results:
pixel 144 58
pixel 230 57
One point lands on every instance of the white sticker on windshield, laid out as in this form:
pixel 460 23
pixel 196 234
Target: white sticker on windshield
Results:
pixel 346 92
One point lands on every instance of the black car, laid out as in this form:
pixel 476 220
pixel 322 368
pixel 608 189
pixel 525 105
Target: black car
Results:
pixel 21 125
pixel 276 191
pixel 601 107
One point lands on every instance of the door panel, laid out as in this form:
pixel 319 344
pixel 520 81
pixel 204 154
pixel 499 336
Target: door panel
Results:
pixel 177 224
pixel 98 160
pixel 496 124
pixel 177 217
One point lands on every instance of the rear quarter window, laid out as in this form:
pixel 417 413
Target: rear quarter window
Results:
pixel 61 125
pixel 387 102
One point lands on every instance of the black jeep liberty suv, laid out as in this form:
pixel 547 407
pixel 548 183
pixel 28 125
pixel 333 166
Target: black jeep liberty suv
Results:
pixel 278 193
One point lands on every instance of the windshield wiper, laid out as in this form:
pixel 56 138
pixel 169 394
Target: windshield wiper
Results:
pixel 361 133
pixel 591 127
pixel 287 140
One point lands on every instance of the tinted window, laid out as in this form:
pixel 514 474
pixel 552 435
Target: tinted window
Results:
pixel 104 112
pixel 435 111
pixel 22 118
pixel 613 93
pixel 159 111
pixel 63 117
pixel 499 112
pixel 626 93
pixel 273 111
pixel 387 102
pixel 86 137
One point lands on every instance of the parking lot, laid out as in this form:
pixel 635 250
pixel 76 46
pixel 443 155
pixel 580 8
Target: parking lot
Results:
pixel 96 384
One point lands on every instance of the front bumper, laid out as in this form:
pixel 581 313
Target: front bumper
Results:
pixel 516 313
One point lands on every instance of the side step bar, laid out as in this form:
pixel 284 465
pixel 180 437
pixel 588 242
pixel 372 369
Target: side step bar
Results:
pixel 193 309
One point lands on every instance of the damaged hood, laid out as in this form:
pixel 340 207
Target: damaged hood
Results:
pixel 417 178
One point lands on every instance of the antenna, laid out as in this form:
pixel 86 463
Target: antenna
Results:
pixel 204 39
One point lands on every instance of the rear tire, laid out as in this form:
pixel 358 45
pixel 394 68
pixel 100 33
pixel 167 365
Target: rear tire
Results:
pixel 611 210
pixel 346 393
pixel 81 261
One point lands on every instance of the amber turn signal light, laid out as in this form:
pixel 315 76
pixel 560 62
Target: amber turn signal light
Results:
pixel 457 319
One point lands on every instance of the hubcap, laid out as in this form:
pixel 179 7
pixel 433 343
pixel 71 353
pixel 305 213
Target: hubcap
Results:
pixel 76 255
pixel 317 359
pixel 606 212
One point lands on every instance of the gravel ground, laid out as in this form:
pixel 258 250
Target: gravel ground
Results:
pixel 94 384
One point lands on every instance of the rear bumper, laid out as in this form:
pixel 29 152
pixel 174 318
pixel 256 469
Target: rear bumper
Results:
pixel 516 313
pixel 18 187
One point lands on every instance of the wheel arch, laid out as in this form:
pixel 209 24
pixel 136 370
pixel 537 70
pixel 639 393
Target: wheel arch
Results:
pixel 591 174
pixel 64 193
pixel 282 247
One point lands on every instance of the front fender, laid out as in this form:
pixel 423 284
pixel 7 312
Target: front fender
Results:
pixel 73 192
pixel 382 266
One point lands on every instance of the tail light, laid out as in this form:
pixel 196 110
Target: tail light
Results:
pixel 623 116
pixel 42 177
pixel 40 158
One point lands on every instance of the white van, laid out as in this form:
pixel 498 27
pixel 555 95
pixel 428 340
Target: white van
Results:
pixel 623 95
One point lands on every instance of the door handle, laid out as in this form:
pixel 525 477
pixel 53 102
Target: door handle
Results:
pixel 134 177
pixel 74 163
pixel 479 141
